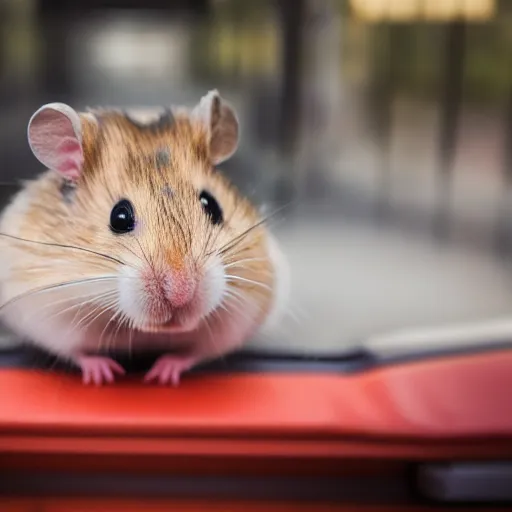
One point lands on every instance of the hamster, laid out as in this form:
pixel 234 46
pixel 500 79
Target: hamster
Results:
pixel 133 239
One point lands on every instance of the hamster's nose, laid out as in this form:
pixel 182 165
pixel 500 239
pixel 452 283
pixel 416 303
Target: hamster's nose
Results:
pixel 180 287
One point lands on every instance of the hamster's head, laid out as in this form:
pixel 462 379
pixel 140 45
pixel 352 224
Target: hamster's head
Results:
pixel 142 193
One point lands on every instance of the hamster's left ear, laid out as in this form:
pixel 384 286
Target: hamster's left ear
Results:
pixel 55 138
pixel 221 123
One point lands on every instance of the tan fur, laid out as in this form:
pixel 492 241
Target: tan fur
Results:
pixel 120 162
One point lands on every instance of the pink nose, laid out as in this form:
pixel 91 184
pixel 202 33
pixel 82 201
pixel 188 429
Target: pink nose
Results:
pixel 180 288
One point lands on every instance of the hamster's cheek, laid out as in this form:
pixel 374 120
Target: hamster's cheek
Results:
pixel 133 299
pixel 214 285
pixel 129 288
pixel 143 305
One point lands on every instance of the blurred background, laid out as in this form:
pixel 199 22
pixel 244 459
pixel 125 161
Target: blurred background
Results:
pixel 384 125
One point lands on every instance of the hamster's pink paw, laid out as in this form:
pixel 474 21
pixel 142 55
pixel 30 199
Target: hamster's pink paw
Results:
pixel 168 368
pixel 98 369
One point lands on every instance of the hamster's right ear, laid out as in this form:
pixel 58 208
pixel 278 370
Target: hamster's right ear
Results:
pixel 221 122
pixel 55 138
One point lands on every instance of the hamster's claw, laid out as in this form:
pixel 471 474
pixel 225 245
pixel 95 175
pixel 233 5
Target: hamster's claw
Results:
pixel 169 368
pixel 98 369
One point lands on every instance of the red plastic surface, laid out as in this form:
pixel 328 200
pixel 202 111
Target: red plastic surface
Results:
pixel 108 505
pixel 451 407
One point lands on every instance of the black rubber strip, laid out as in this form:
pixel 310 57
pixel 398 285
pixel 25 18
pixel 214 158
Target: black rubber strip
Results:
pixel 251 361
pixel 380 489
pixel 241 362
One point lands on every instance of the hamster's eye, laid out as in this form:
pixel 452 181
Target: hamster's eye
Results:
pixel 122 217
pixel 211 207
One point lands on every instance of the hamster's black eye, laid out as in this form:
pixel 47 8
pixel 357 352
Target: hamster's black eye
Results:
pixel 122 217
pixel 211 207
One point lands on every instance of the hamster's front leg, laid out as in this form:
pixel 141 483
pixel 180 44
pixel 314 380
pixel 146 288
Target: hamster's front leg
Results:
pixel 98 369
pixel 205 344
pixel 168 368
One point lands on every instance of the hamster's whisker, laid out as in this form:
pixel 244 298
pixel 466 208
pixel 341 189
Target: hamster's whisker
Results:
pixel 208 265
pixel 113 317
pixel 57 286
pixel 238 298
pixel 238 263
pixel 93 315
pixel 104 301
pixel 210 230
pixel 65 246
pixel 232 310
pixel 218 352
pixel 103 309
pixel 94 299
pixel 68 299
pixel 234 306
pixel 222 306
pixel 217 230
pixel 124 246
pixel 234 295
pixel 296 315
pixel 151 266
pixel 221 319
pixel 216 312
pixel 115 310
pixel 214 232
pixel 96 313
pixel 242 299
pixel 232 278
pixel 210 334
pixel 188 235
pixel 237 239
pixel 120 323
pixel 105 306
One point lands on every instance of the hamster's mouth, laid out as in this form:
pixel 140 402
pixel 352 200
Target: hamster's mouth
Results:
pixel 178 320
pixel 172 326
